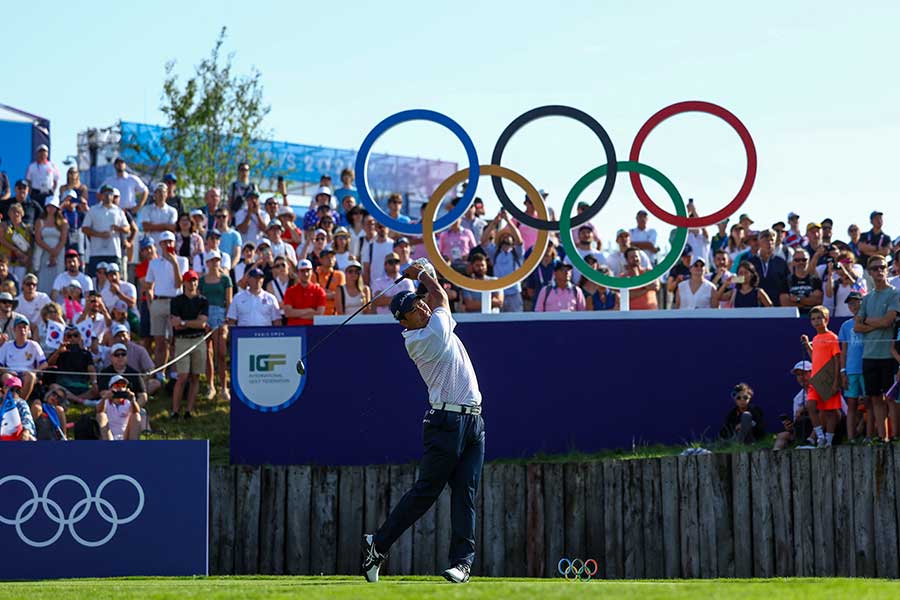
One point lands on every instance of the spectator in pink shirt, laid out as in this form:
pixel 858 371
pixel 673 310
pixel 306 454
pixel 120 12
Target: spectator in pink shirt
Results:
pixel 529 234
pixel 561 295
pixel 455 244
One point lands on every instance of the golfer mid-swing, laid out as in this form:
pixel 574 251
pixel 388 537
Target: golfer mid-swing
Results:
pixel 453 431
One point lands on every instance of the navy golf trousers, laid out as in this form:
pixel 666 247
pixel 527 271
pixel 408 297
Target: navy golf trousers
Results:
pixel 454 454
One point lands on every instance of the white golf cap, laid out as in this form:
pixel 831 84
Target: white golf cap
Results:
pixel 208 256
pixel 285 210
pixel 116 347
pixel 304 264
pixel 75 283
pixel 323 189
pixel 116 379
pixel 803 365
pixel 118 328
pixel 54 202
pixel 166 236
pixel 197 213
pixel 112 267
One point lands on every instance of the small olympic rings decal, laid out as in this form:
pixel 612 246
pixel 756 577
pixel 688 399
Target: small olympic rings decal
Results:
pixel 577 569
pixel 538 219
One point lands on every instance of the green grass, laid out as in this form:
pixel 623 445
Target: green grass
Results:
pixel 401 588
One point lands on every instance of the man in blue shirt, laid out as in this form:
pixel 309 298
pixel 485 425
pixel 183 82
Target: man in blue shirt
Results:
pixel 852 371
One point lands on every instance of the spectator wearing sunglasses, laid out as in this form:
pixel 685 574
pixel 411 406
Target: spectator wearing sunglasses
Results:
pixel 744 422
pixel 32 301
pixel 8 316
pixel 391 274
pixel 79 377
pixel 354 293
pixel 395 203
pixel 118 365
pixel 804 289
pixel 23 356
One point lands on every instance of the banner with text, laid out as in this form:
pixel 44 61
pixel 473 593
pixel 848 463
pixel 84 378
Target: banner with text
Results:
pixel 263 366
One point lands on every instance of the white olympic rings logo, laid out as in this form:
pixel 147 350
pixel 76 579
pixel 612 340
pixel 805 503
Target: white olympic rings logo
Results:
pixel 81 509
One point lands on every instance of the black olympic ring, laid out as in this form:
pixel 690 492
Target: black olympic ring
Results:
pixel 560 111
pixel 577 569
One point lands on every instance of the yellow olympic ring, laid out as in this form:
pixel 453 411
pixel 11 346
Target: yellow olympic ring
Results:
pixel 477 285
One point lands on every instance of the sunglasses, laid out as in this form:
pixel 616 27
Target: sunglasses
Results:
pixel 320 239
pixel 354 270
pixel 29 284
pixel 392 262
pixel 279 265
pixel 72 336
pixel 743 397
pixel 801 260
pixel 120 354
pixel 871 269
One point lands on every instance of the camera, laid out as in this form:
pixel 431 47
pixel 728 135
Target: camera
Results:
pixel 121 394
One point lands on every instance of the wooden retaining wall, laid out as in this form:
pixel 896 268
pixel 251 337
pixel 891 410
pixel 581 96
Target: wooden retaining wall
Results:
pixel 763 514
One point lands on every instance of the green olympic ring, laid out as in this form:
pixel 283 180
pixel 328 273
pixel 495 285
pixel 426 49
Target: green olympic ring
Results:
pixel 610 281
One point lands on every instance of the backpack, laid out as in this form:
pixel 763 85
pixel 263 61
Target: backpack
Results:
pixel 87 428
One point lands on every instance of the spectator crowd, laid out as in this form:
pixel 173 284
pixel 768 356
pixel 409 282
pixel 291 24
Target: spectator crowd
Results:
pixel 106 299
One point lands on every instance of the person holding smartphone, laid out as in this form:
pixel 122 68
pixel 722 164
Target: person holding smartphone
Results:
pixel 118 412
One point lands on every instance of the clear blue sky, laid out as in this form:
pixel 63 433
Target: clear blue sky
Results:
pixel 813 81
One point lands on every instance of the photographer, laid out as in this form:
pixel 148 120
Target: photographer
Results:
pixel 842 276
pixel 118 357
pixel 118 411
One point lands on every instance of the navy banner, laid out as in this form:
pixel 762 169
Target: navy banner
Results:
pixel 97 509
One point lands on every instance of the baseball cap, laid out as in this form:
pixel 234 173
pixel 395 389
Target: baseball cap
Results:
pixel 250 245
pixel 71 194
pixel 827 221
pixel 21 183
pixel 213 233
pixel 254 272
pixel 342 232
pixel 196 213
pixel 120 305
pixel 263 242
pixel 117 379
pixel 621 231
pixel 327 250
pixel 353 263
pixel 478 202
pixel 43 147
pixel 874 214
pixel 54 202
pixel 803 365
pixel 745 216
pixel 118 328
pixel 166 236
pixel 285 210
pixel 853 296
pixel 7 297
pixel 391 256
pixel 687 250
pixel 699 259
pixel 72 252
pixel 304 264
pixel 146 242
pixel 13 382
pixel 320 232
pixel 104 188
pixel 170 177
pixel 323 189
pixel 401 240
pixel 208 256
pixel 190 275
pixel 114 191
pixel 252 191
pixel 813 225
pixel 776 224
pixel 561 265
pixel 72 283
pixel 793 215
pixel 402 303
pixel 31 277
pixel 274 224
pixel 21 320
pixel 102 265
pixel 112 267
pixel 116 347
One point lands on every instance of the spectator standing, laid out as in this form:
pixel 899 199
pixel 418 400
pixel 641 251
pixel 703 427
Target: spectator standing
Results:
pixel 162 283
pixel 395 204
pixel 842 276
pixel 561 295
pixel 133 191
pixel 616 260
pixel 240 188
pixel 341 244
pixel 362 228
pixel 305 299
pixel 97 318
pixel 279 247
pixel 211 204
pixel 780 248
pixel 213 243
pixel 172 197
pixel 695 292
pixel 772 269
pixel 51 234
pixel 329 278
pixel 72 273
pixel 391 274
pixel 720 239
pixel 875 320
pixel 281 279
pixel 118 290
pixel 104 224
pixel 20 198
pixel 455 244
pixel 290 233
pixel 189 315
pixel 471 221
pixel 355 293
pixel 4 185
pixel 74 209
pixel 736 244
pixel 375 251
pixel 584 245
pixel 644 237
pixel 43 179
pixel 814 247
pixel 231 240
pixel 529 234
pixel 744 290
pixel 16 242
pixel 158 217
pixel 507 252
pixel 541 276
pixel 804 290
pixel 855 237
pixel 852 367
pixel 744 422
pixel 346 190
pixel 825 350
pixel 323 198
pixel 874 242
pixel 216 287
pixel 680 271
pixel 827 231
pixel 251 220
pixel 50 312
pixel 32 301
pixel 645 297
pixel 596 296
pixel 73 184
pixel 253 306
pixel 188 243
pixel 23 356
pixel 198 218
pixel 471 301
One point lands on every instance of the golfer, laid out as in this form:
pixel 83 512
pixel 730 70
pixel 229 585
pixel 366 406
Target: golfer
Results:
pixel 453 430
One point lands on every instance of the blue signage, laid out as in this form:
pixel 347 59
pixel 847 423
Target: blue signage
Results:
pixel 263 367
pixel 104 509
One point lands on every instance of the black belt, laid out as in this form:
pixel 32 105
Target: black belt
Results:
pixel 163 297
pixel 190 337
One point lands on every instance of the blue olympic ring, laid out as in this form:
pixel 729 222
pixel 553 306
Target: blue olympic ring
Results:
pixel 362 165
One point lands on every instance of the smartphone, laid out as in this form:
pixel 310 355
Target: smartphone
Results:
pixel 122 394
pixel 738 279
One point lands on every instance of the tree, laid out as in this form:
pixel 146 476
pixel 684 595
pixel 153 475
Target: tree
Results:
pixel 212 122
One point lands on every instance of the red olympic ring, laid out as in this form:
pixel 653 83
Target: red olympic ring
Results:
pixel 704 107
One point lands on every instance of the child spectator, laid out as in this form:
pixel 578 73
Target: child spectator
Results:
pixel 743 423
pixel 852 371
pixel 824 399
pixel 796 425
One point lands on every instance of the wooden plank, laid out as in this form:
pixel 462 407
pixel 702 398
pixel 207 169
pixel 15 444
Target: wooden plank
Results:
pixel 554 519
pixel 885 513
pixel 782 519
pixel 844 519
pixel 689 517
pixel 761 524
pixel 494 521
pixel 614 558
pixel 221 520
pixel 822 473
pixel 351 503
pixel 574 517
pixel 478 566
pixel 246 552
pixel 376 502
pixel 896 476
pixel 742 514
pixel 535 563
pixel 668 469
pixel 423 546
pixel 723 514
pixel 323 531
pixel 632 523
pixel 514 526
pixel 595 532
pixel 272 521
pixel 863 507
pixel 442 531
pixel 299 515
pixel 652 518
pixel 707 523
pixel 400 556
pixel 804 554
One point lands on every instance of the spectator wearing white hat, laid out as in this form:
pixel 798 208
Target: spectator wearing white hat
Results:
pixel 644 237
pixel 305 299
pixel 8 316
pixel 78 376
pixel 213 244
pixel 32 301
pixel 72 273
pixel 162 283
pixel 118 412
pixel 355 293
pixel 157 217
pixel 133 191
pixel 797 425
pixel 253 306
pixel 119 367
pixel 23 356
pixel 198 218
pixel 98 317
pixel 118 290
pixel 323 198
pixel 251 220
pixel 51 234
pixel 189 316
pixel 279 247
pixel 216 287
pixel 290 232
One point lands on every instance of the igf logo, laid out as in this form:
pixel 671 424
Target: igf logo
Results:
pixel 266 362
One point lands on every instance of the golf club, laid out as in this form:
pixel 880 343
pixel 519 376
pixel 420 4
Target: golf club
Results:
pixel 301 366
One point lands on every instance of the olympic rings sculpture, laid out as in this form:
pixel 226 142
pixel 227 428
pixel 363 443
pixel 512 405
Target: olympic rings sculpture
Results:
pixel 78 512
pixel 680 219
pixel 577 569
